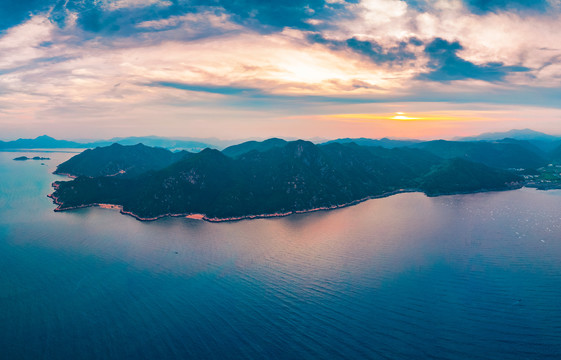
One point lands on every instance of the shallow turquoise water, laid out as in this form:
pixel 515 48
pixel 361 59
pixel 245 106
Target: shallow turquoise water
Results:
pixel 455 277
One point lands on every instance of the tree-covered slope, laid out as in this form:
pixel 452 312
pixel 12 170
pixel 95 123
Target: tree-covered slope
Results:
pixel 555 155
pixel 260 146
pixel 127 161
pixel 459 175
pixel 384 142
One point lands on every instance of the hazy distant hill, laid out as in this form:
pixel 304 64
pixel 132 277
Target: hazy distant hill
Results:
pixel 384 142
pixel 47 142
pixel 544 142
pixel 41 142
pixel 495 154
pixel 126 161
pixel 518 134
pixel 294 177
pixel 503 152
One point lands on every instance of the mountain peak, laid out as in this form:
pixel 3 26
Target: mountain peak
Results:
pixel 208 152
pixel 248 146
pixel 44 137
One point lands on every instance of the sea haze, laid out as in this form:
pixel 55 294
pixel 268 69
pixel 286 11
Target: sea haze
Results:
pixel 472 276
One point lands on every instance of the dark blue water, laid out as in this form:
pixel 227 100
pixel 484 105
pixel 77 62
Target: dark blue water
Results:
pixel 456 277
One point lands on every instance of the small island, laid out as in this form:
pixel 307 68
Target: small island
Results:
pixel 24 158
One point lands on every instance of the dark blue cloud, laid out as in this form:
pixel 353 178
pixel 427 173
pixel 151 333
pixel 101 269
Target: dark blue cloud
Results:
pixel 286 13
pixel 419 5
pixel 260 15
pixel 93 16
pixel 446 65
pixel 255 98
pixel 371 49
pixel 14 12
pixel 483 6
pixel 222 90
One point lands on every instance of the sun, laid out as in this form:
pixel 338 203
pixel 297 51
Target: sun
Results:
pixel 401 116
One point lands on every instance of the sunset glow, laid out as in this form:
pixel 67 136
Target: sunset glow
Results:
pixel 421 117
pixel 206 70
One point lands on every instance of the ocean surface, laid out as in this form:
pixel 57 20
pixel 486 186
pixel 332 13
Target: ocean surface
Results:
pixel 405 277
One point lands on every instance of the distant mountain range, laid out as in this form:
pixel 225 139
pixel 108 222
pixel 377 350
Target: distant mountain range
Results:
pixel 493 149
pixel 268 178
pixel 540 141
pixel 47 142
pixel 41 142
pixel 156 141
pixel 544 142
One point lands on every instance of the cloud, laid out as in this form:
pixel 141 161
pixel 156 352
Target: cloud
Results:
pixel 115 18
pixel 288 13
pixel 371 49
pixel 446 65
pixel 114 58
pixel 483 6
pixel 222 90
pixel 122 17
pixel 14 12
pixel 23 44
pixel 119 4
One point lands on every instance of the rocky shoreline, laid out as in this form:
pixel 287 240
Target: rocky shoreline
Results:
pixel 197 216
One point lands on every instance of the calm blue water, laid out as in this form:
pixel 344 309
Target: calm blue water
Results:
pixel 456 277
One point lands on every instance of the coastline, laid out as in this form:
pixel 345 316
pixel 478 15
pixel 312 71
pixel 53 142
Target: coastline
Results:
pixel 198 216
pixel 65 174
pixel 204 217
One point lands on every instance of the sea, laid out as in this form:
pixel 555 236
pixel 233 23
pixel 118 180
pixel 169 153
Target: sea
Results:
pixel 474 276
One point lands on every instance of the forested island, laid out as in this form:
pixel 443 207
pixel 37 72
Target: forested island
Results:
pixel 277 177
pixel 24 158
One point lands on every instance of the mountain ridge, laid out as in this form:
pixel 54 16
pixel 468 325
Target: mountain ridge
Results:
pixel 518 134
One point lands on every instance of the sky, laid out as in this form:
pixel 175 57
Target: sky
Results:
pixel 87 69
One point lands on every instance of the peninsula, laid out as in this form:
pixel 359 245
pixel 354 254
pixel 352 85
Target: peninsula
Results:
pixel 262 179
